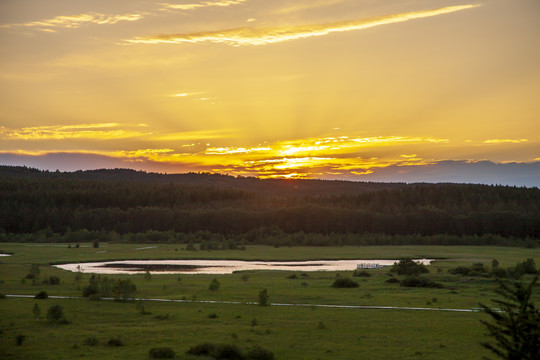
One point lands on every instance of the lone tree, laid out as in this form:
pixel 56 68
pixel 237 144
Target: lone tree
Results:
pixel 516 322
pixel 147 276
pixel 36 310
pixel 214 285
pixel 264 298
pixel 55 315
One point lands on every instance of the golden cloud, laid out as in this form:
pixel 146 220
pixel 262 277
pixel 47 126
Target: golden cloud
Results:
pixel 311 4
pixel 252 36
pixel 101 131
pixel 76 21
pixel 309 157
pixel 503 141
pixel 203 4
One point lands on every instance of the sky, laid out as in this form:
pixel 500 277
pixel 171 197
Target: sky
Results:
pixel 363 90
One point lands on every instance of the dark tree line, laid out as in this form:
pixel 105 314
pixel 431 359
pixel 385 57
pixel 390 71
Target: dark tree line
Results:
pixel 58 204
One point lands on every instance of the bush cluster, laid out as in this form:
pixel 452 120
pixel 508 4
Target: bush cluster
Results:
pixel 409 267
pixel 116 341
pixel 478 269
pixel 419 281
pixel 344 283
pixel 41 295
pixel 102 286
pixel 162 353
pixel 229 352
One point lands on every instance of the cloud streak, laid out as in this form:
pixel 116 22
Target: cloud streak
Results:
pixel 252 36
pixel 62 132
pixel 505 141
pixel 311 4
pixel 204 4
pixel 76 21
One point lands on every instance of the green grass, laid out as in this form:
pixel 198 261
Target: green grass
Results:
pixel 290 332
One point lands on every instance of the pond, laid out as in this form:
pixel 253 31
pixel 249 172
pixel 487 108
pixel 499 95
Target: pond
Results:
pixel 219 266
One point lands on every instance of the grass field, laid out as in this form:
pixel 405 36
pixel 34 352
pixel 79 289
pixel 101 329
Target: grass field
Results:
pixel 289 332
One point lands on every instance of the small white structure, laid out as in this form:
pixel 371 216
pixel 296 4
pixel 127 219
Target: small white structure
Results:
pixel 369 266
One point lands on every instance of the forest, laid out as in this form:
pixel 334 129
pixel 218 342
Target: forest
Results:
pixel 223 211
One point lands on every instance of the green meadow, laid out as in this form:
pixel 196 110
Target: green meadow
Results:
pixel 290 332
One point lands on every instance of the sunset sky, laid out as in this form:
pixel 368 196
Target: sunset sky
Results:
pixel 368 90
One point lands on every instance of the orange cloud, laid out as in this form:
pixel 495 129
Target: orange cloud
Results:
pixel 252 36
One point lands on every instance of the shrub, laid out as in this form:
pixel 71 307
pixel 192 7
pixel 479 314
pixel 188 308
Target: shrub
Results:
pixel 41 295
pixel 116 341
pixel 54 280
pixel 214 285
pixel 34 272
pixel 2 296
pixel 95 244
pixel 478 273
pixel 229 352
pixel 499 272
pixel 36 310
pixel 217 351
pixel 361 273
pixel 460 270
pixel 19 339
pixel 529 266
pixel 91 341
pixel 392 280
pixel 292 276
pixel 478 267
pixel 55 315
pixel 140 308
pixel 90 290
pixel 344 283
pixel 418 281
pixel 94 297
pixel 212 316
pixel 204 349
pixel 162 317
pixel 258 353
pixel 162 353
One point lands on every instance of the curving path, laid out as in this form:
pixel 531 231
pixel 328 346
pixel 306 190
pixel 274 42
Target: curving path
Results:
pixel 362 307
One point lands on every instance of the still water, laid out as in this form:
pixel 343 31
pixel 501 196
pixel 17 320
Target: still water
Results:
pixel 218 266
